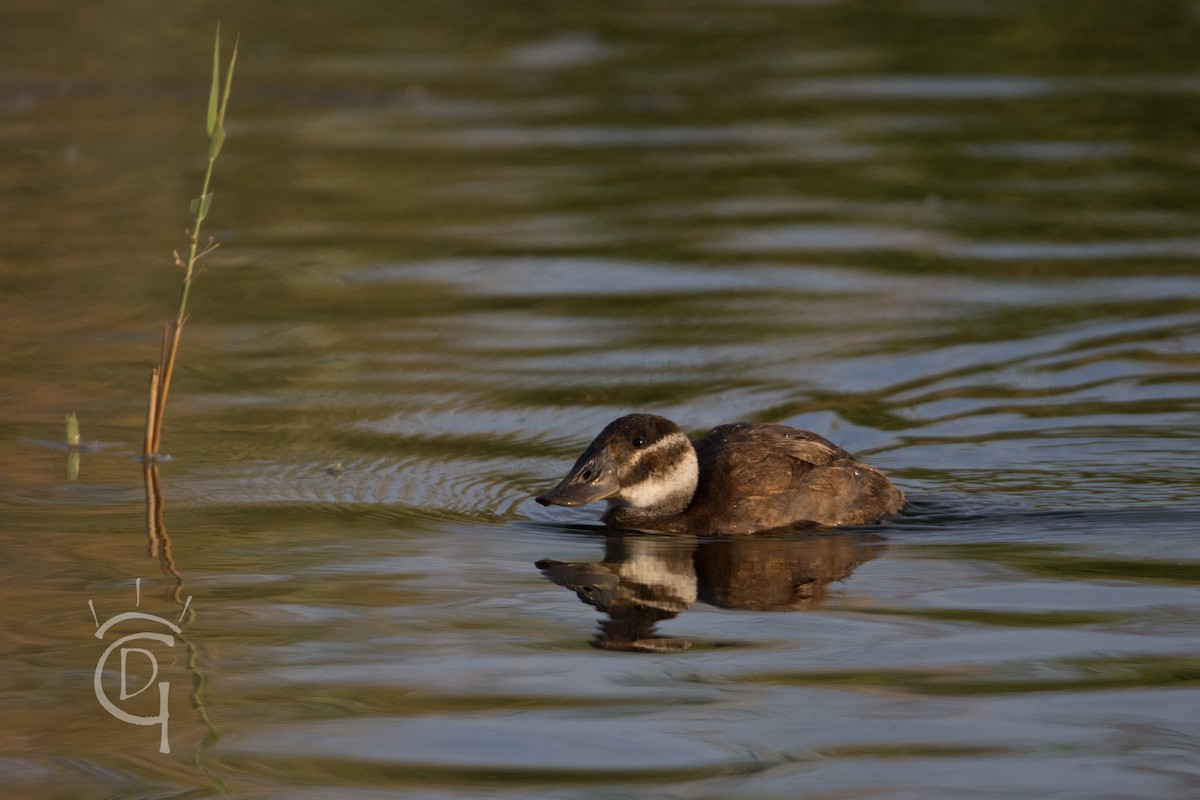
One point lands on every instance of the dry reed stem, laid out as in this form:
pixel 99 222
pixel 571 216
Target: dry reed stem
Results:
pixel 151 414
pixel 166 368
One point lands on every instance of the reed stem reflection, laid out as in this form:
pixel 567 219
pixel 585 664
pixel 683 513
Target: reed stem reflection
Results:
pixel 159 546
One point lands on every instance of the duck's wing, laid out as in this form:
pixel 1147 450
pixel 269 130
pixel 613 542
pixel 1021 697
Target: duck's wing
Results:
pixel 773 476
pixel 762 458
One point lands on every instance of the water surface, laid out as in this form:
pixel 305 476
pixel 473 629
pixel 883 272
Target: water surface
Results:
pixel 459 238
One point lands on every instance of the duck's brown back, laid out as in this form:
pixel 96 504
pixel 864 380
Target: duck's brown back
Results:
pixel 759 477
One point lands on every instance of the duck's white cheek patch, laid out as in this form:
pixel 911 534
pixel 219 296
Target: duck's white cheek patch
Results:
pixel 657 490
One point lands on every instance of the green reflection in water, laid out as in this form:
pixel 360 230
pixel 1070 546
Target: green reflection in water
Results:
pixel 1051 561
pixel 355 772
pixel 1009 619
pixel 1082 675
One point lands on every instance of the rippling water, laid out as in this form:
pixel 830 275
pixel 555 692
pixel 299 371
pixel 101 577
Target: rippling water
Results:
pixel 459 238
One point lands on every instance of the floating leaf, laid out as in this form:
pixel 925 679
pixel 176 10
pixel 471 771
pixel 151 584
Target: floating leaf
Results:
pixel 72 430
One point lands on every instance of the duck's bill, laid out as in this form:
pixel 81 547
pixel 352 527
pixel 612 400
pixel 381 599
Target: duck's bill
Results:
pixel 589 480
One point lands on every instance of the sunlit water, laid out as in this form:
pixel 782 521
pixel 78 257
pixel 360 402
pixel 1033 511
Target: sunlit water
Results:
pixel 457 239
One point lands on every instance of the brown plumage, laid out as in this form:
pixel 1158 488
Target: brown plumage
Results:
pixel 737 479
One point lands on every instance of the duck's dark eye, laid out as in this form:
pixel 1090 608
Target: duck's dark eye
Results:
pixel 638 441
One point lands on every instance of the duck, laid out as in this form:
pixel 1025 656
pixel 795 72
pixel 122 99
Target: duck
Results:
pixel 737 479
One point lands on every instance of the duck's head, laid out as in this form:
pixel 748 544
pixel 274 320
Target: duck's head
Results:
pixel 643 465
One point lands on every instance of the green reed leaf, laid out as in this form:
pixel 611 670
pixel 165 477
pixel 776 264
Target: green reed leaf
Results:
pixel 233 61
pixel 216 141
pixel 200 207
pixel 216 83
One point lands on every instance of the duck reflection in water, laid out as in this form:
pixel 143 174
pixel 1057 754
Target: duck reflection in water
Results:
pixel 645 579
